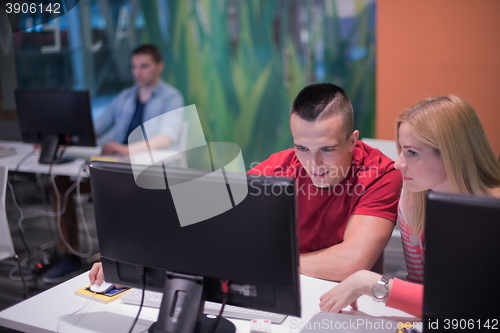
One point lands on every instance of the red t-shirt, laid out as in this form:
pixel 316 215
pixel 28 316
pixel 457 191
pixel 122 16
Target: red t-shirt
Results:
pixel 371 187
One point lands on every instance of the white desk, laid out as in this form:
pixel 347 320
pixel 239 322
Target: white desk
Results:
pixel 43 313
pixel 82 154
pixel 32 165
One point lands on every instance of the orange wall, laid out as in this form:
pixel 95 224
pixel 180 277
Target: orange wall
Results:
pixel 430 47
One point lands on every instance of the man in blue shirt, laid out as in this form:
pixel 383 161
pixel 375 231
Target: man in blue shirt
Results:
pixel 148 98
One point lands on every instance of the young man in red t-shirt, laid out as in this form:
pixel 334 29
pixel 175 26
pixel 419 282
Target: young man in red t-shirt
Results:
pixel 347 192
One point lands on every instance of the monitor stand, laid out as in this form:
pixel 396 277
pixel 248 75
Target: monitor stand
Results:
pixel 181 309
pixel 50 146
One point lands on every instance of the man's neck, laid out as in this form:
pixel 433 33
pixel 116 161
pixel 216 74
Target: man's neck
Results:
pixel 145 92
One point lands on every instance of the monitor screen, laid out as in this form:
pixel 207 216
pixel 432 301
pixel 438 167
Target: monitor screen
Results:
pixel 462 263
pixel 253 245
pixel 55 117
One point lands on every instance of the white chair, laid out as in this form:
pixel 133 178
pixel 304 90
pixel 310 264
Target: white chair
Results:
pixel 6 246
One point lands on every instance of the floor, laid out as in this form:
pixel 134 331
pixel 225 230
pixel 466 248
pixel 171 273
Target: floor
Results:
pixel 40 238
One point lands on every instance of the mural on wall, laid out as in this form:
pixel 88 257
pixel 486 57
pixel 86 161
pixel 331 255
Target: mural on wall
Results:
pixel 241 62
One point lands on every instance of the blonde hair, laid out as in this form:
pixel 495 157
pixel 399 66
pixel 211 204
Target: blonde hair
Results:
pixel 450 126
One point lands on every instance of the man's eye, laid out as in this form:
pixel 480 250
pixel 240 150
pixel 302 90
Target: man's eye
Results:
pixel 301 149
pixel 328 150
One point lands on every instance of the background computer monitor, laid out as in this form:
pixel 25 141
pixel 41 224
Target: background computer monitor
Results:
pixel 55 117
pixel 462 263
pixel 254 244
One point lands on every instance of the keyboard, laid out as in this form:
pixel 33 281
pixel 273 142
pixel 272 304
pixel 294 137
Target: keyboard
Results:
pixel 153 299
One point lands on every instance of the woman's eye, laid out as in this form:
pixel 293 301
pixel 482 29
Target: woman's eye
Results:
pixel 411 153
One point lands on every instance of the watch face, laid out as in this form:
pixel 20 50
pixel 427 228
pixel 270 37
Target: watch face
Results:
pixel 379 291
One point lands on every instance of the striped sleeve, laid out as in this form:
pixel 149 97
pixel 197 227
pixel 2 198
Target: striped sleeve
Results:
pixel 412 249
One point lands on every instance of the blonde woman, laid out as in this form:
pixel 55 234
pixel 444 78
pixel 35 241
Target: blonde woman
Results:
pixel 442 147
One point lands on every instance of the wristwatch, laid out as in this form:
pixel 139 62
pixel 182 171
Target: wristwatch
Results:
pixel 381 289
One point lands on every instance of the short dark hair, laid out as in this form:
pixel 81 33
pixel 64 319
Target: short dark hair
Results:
pixel 324 100
pixel 150 49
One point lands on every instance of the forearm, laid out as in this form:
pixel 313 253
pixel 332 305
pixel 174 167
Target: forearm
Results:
pixel 335 263
pixel 406 296
pixel 157 142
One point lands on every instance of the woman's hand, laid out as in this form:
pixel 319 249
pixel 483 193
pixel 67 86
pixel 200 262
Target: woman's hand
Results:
pixel 348 291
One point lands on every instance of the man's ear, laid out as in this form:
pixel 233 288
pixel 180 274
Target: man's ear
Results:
pixel 353 139
pixel 161 66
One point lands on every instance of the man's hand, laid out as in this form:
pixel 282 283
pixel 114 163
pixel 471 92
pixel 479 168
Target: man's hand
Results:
pixel 96 275
pixel 114 148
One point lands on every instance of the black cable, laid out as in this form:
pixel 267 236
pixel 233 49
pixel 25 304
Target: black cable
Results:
pixel 143 278
pixel 24 159
pixel 21 232
pixel 35 277
pixel 14 198
pixel 61 210
pixel 215 324
pixel 22 276
pixel 225 290
pixel 58 158
pixel 61 153
pixel 26 246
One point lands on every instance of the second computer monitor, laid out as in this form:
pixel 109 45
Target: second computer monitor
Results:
pixel 55 117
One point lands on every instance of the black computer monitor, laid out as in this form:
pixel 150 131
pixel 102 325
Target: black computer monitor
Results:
pixel 55 117
pixel 462 263
pixel 253 245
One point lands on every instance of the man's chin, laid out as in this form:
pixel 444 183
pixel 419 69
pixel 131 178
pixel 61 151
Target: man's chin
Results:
pixel 320 183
